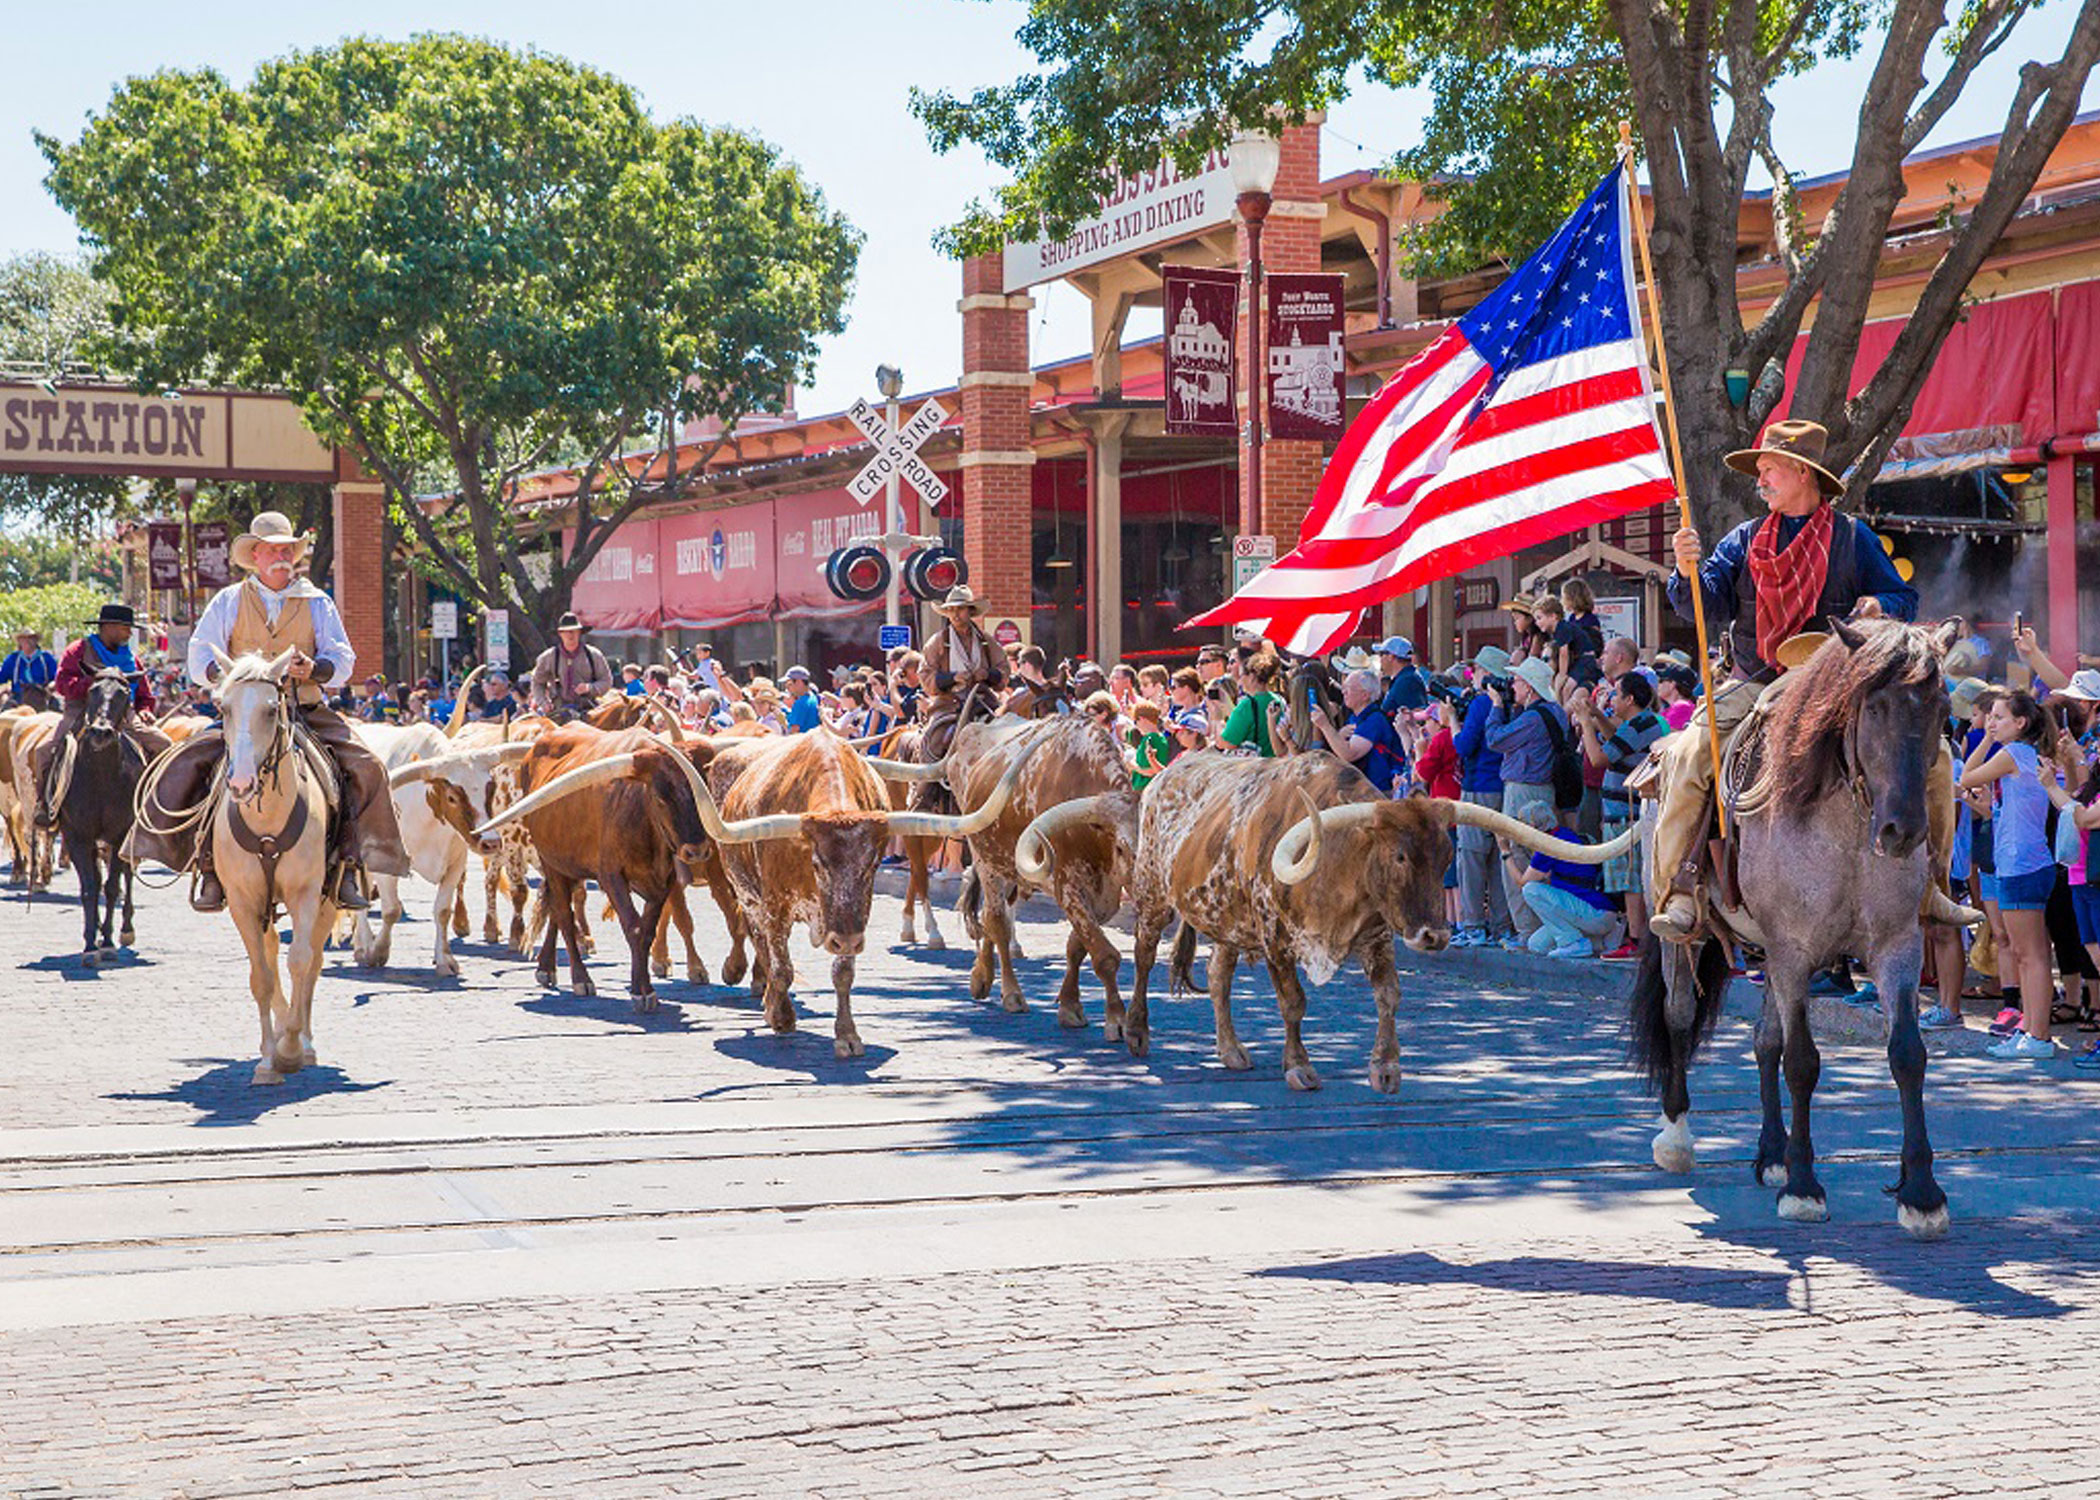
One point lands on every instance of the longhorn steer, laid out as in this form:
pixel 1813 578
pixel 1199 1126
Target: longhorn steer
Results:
pixel 1082 859
pixel 615 807
pixel 1231 843
pixel 802 823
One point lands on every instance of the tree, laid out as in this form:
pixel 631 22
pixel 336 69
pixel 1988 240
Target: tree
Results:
pixel 471 262
pixel 1524 101
pixel 36 559
pixel 53 316
pixel 50 609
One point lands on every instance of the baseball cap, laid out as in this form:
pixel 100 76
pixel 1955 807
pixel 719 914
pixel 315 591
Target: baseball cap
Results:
pixel 1397 645
pixel 799 673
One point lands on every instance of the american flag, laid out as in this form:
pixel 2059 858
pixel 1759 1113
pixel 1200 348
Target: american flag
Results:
pixel 1529 418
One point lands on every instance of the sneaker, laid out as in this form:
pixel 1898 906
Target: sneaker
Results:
pixel 1939 1018
pixel 1468 937
pixel 2008 1021
pixel 2090 1058
pixel 1572 950
pixel 1627 949
pixel 1515 944
pixel 1866 997
pixel 2021 1045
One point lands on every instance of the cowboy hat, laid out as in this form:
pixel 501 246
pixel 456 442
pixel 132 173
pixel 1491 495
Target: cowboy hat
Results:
pixel 960 597
pixel 1795 650
pixel 269 526
pixel 1673 658
pixel 569 621
pixel 114 614
pixel 1969 691
pixel 1355 659
pixel 1520 604
pixel 1535 674
pixel 1493 661
pixel 1803 442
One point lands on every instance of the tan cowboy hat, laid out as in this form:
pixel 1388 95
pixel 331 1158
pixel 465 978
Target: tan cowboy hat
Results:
pixel 960 597
pixel 268 526
pixel 1795 650
pixel 1803 442
pixel 1520 604
pixel 1536 675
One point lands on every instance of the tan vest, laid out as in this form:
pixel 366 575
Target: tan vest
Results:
pixel 252 631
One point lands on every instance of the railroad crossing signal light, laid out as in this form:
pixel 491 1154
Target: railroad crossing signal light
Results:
pixel 931 572
pixel 858 573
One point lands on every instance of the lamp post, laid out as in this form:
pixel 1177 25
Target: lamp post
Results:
pixel 889 382
pixel 1253 157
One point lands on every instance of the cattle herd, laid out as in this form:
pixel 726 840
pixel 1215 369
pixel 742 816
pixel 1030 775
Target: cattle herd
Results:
pixel 788 831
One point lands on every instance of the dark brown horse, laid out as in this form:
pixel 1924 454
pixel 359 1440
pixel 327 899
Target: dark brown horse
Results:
pixel 95 810
pixel 1832 860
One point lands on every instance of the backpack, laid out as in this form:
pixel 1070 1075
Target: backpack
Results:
pixel 1567 764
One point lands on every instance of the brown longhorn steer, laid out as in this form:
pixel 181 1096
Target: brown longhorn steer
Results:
pixel 618 808
pixel 802 823
pixel 1231 843
pixel 1084 861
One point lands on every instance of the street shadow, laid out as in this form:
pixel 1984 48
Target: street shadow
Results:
pixel 611 1010
pixel 807 1051
pixel 1554 1275
pixel 68 966
pixel 223 1095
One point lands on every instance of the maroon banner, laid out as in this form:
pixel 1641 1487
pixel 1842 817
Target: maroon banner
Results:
pixel 716 566
pixel 807 529
pixel 214 543
pixel 1201 308
pixel 164 553
pixel 618 590
pixel 1305 355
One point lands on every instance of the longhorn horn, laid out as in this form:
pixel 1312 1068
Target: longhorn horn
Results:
pixel 869 739
pixel 945 826
pixel 908 770
pixel 1297 853
pixel 1940 907
pixel 743 830
pixel 438 765
pixel 568 783
pixel 459 704
pixel 670 720
pixel 1033 858
pixel 1474 815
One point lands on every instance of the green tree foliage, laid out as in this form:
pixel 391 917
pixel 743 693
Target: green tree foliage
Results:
pixel 470 262
pixel 36 558
pixel 49 609
pixel 1525 97
pixel 54 318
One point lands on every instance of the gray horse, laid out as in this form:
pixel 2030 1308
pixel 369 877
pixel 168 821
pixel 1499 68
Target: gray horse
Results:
pixel 1832 861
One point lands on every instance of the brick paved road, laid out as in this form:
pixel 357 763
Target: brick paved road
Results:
pixel 503 1241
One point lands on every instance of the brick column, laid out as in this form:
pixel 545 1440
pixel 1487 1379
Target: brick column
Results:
pixel 997 458
pixel 360 561
pixel 1290 242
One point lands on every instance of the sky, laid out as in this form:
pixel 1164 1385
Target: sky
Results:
pixel 825 80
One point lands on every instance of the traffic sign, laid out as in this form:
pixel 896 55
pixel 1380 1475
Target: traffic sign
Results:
pixel 495 623
pixel 444 620
pixel 896 452
pixel 1250 554
pixel 890 637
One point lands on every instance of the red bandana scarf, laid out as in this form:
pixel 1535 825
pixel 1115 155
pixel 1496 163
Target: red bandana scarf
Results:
pixel 1790 581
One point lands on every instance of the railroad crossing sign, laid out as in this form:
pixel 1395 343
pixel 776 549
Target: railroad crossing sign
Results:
pixel 897 452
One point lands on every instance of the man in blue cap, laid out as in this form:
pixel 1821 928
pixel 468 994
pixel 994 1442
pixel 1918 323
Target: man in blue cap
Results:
pixel 1404 687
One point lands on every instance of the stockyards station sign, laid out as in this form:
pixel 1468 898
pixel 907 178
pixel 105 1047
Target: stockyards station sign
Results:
pixel 114 430
pixel 1154 208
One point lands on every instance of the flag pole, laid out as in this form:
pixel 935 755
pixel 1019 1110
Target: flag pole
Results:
pixel 1684 501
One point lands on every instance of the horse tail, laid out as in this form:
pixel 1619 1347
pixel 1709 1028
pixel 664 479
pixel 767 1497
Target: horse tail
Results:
pixel 1651 1047
pixel 1181 963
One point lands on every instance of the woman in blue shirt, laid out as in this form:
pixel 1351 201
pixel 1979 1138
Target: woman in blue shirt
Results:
pixel 2026 863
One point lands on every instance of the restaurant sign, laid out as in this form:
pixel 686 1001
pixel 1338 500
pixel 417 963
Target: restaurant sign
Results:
pixel 1154 208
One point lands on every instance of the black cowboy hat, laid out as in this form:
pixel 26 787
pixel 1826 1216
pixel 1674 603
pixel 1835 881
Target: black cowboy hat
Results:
pixel 569 622
pixel 115 614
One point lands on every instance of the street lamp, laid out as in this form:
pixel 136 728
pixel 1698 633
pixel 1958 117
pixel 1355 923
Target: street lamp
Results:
pixel 1253 157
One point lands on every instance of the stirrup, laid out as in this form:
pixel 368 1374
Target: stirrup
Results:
pixel 346 887
pixel 1678 921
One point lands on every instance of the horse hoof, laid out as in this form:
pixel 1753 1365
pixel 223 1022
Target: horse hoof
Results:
pixel 1923 1224
pixel 1772 1175
pixel 266 1075
pixel 1673 1150
pixel 1803 1210
pixel 1304 1080
pixel 127 938
pixel 848 1047
pixel 1385 1077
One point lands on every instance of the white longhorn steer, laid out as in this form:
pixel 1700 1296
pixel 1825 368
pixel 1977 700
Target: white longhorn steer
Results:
pixel 438 798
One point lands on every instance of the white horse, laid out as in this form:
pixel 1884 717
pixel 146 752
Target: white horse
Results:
pixel 269 838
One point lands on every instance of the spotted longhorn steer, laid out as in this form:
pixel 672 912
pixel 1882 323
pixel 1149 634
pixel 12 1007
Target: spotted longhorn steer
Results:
pixel 802 823
pixel 1083 859
pixel 1231 843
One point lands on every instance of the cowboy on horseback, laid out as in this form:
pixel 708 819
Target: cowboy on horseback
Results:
pixel 965 665
pixel 274 610
pixel 108 649
pixel 570 677
pixel 1765 582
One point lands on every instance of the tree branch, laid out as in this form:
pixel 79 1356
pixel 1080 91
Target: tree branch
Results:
pixel 1993 23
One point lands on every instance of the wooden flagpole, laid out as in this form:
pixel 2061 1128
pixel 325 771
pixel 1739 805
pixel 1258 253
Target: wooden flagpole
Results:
pixel 1684 500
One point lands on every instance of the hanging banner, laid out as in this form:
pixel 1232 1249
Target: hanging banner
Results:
pixel 1305 355
pixel 164 553
pixel 1201 307
pixel 717 566
pixel 617 591
pixel 214 543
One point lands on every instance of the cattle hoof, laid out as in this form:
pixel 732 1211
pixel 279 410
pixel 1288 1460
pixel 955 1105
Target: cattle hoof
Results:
pixel 781 1024
pixel 265 1074
pixel 848 1047
pixel 1922 1224
pixel 585 988
pixel 490 935
pixel 934 941
pixel 1111 1028
pixel 1803 1210
pixel 545 977
pixel 89 958
pixel 1014 1005
pixel 907 935
pixel 1672 1149
pixel 1071 1017
pixel 1303 1079
pixel 660 968
pixel 645 1002
pixel 1772 1175
pixel 1235 1057
pixel 733 972
pixel 1137 1040
pixel 696 972
pixel 980 983
pixel 448 968
pixel 307 1057
pixel 1385 1077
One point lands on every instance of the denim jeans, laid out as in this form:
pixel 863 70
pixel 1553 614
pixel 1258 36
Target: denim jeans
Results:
pixel 1564 918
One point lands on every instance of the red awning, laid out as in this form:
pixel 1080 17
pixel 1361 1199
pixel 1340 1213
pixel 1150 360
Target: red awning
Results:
pixel 717 566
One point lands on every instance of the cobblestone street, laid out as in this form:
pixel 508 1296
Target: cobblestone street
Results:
pixel 504 1240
